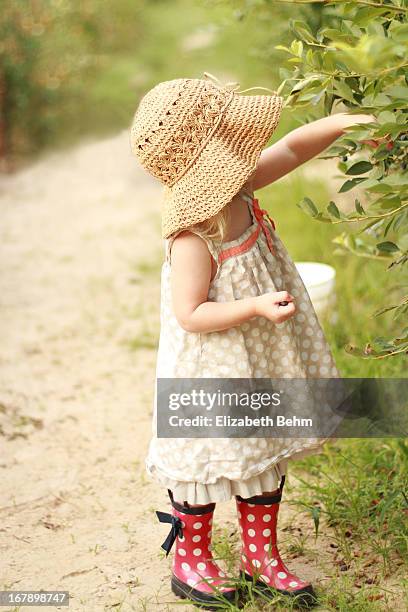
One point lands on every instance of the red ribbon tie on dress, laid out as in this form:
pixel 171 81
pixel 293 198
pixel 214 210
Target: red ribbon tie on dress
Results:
pixel 260 215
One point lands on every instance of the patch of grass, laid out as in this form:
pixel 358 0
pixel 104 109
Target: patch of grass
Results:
pixel 359 485
pixel 298 545
pixel 359 489
pixel 226 547
pixel 342 597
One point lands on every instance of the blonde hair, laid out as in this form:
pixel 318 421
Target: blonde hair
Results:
pixel 215 228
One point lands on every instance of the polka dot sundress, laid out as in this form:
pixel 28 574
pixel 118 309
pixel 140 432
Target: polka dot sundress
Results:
pixel 201 471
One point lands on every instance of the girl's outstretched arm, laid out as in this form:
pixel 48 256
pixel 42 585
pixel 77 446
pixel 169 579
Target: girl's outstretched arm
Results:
pixel 300 145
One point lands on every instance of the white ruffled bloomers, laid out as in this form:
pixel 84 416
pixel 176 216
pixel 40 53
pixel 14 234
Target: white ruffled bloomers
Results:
pixel 224 488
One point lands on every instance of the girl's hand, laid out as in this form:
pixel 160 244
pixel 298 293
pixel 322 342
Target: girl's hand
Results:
pixel 268 305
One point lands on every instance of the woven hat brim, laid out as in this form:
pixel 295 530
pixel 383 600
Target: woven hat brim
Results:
pixel 224 165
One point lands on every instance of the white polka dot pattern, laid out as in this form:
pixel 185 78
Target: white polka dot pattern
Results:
pixel 194 565
pixel 260 554
pixel 295 348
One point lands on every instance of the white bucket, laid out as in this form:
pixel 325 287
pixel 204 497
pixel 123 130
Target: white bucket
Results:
pixel 319 280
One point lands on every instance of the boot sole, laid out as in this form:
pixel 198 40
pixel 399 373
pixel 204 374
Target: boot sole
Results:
pixel 210 602
pixel 305 597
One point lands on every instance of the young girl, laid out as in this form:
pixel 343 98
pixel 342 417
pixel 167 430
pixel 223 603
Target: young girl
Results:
pixel 232 306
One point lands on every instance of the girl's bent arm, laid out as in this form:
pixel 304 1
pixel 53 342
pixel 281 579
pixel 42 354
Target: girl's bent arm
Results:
pixel 300 145
pixel 190 281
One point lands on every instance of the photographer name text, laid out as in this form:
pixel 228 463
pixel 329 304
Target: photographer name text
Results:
pixel 247 421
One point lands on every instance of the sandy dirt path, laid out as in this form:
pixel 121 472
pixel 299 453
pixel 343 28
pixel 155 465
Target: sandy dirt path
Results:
pixel 79 322
pixel 79 313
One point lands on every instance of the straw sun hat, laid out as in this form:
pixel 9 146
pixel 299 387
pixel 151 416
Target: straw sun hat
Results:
pixel 202 140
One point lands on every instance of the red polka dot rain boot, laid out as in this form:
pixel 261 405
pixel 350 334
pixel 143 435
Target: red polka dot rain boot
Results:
pixel 260 561
pixel 195 574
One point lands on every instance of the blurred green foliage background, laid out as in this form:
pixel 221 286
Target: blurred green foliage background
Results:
pixel 74 68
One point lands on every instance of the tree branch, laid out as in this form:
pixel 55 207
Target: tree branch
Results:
pixel 387 7
pixel 366 217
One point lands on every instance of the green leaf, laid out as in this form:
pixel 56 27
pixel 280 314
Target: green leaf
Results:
pixel 350 184
pixel 396 180
pixel 354 350
pixel 382 343
pixel 399 31
pixel 387 247
pixel 282 48
pixel 315 512
pixel 379 187
pixel 391 128
pixel 307 95
pixel 309 207
pixel 360 167
pixel 386 117
pixel 328 103
pixel 367 14
pixel 381 311
pixel 333 210
pixel 306 82
pixel 358 134
pixel 398 91
pixel 344 90
pixel 387 227
pixel 376 100
pixel 333 34
pixel 358 207
pixel 302 30
pixel 297 48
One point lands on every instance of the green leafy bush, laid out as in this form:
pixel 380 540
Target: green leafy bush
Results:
pixel 357 59
pixel 48 48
